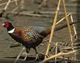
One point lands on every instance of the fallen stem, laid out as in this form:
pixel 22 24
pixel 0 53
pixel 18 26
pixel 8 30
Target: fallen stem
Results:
pixel 59 54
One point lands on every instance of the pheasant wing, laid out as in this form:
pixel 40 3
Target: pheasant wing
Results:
pixel 31 35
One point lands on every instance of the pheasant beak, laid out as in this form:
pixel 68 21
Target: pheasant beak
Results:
pixel 3 24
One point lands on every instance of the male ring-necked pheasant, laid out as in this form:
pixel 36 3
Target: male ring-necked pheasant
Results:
pixel 30 37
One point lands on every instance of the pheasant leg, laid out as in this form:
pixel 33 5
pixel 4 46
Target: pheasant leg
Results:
pixel 19 54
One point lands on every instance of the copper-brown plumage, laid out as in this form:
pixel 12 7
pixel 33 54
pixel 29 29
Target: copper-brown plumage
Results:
pixel 29 37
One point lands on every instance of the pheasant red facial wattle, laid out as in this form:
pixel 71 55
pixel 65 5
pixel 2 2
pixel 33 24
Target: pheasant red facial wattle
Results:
pixel 6 24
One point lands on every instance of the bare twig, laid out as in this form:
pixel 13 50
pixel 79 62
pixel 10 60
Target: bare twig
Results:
pixel 15 9
pixel 63 19
pixel 31 15
pixel 56 51
pixel 59 54
pixel 74 28
pixel 67 20
pixel 44 3
pixel 7 4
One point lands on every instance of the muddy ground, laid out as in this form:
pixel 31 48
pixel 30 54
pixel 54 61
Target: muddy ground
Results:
pixel 7 54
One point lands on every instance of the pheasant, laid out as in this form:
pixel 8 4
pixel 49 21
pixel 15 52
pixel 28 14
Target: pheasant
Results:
pixel 29 37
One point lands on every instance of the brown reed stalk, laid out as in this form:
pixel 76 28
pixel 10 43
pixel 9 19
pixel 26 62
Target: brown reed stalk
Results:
pixel 53 28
